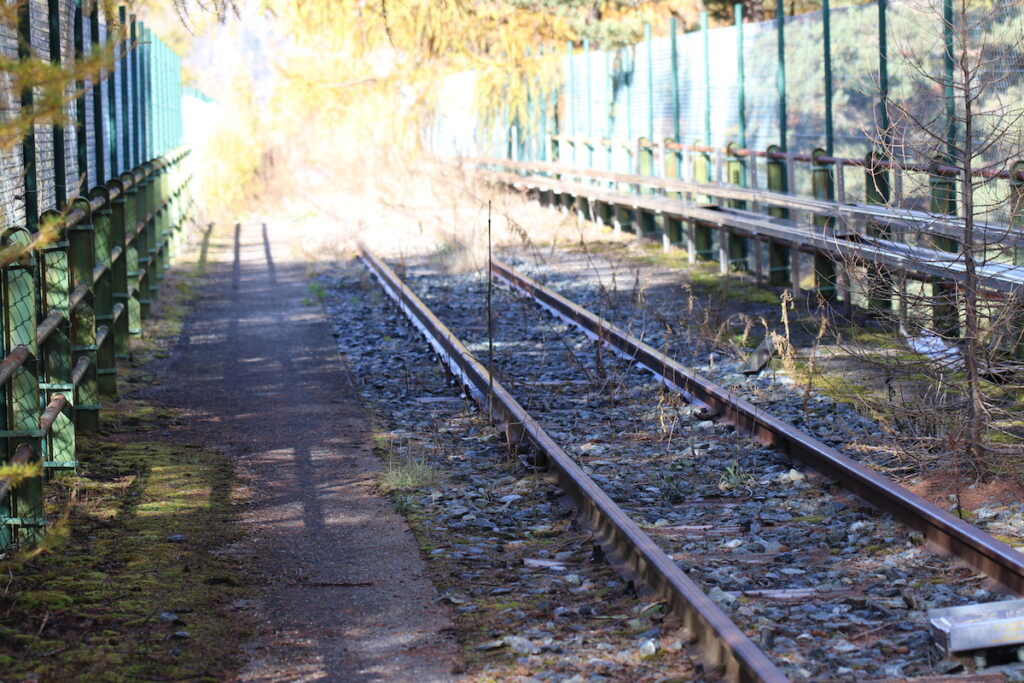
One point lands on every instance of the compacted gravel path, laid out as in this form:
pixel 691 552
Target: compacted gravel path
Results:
pixel 344 596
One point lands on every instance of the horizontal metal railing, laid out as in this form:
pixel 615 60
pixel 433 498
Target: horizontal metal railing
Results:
pixel 837 244
pixel 71 295
pixel 850 216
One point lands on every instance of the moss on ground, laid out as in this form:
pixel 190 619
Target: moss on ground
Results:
pixel 90 607
pixel 114 597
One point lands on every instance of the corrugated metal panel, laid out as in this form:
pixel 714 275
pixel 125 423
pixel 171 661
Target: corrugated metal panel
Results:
pixel 116 131
pixel 40 33
pixel 12 179
pixel 67 59
pixel 87 127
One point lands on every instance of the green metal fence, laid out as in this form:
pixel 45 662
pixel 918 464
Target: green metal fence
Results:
pixel 94 215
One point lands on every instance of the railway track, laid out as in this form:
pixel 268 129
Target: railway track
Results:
pixel 720 525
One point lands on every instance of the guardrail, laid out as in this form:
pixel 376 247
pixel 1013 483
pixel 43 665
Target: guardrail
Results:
pixel 69 307
pixel 690 217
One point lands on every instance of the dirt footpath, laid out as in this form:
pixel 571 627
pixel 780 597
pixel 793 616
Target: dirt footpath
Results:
pixel 343 588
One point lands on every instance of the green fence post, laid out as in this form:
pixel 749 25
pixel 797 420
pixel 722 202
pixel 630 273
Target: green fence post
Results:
pixel 673 225
pixel 650 81
pixel 55 352
pixel 157 232
pixel 883 70
pixel 677 134
pixel 570 99
pixel 945 312
pixel 707 91
pixel 22 518
pixel 106 364
pixel 780 74
pixel 778 254
pixel 590 103
pixel 125 269
pixel 826 19
pixel 702 240
pixel 138 259
pixel 1017 221
pixel 823 186
pixel 877 191
pixel 28 146
pixel 83 320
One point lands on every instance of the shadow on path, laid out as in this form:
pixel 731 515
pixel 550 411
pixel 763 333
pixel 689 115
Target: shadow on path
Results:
pixel 345 594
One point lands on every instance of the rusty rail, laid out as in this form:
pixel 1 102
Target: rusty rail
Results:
pixel 722 642
pixel 978 549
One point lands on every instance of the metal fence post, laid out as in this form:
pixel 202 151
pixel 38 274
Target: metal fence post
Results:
pixel 707 90
pixel 1017 220
pixel 82 252
pixel 778 254
pixel 780 74
pixel 570 100
pixel 702 240
pixel 28 147
pixel 945 311
pixel 99 123
pixel 22 518
pixel 106 365
pixel 589 103
pixel 124 269
pixel 650 81
pixel 823 186
pixel 877 191
pixel 672 162
pixel 58 447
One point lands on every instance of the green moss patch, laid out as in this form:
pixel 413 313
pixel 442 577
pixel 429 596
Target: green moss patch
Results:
pixel 136 579
pixel 122 596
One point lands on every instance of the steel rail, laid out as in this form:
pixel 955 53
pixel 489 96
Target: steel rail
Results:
pixel 975 547
pixel 723 643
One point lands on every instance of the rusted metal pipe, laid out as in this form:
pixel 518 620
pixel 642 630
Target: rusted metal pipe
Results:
pixel 76 296
pixel 78 372
pixel 22 456
pixel 53 409
pixel 49 324
pixel 14 360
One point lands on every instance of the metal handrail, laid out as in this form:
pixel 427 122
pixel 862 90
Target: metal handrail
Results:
pixel 68 286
